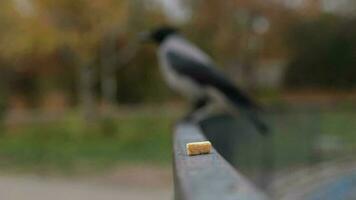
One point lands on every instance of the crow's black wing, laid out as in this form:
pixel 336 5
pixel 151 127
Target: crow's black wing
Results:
pixel 206 75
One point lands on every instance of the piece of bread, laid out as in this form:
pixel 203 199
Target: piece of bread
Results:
pixel 197 148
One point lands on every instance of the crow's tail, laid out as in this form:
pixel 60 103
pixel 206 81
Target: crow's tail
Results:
pixel 243 102
pixel 247 106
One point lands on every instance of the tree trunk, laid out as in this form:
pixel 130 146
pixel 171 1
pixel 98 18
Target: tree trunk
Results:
pixel 108 69
pixel 108 84
pixel 87 98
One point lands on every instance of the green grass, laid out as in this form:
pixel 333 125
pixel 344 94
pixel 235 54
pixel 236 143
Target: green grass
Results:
pixel 70 145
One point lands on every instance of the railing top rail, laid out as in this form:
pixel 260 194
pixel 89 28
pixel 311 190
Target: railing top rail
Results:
pixel 208 176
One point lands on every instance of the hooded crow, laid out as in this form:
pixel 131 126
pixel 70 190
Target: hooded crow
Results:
pixel 192 73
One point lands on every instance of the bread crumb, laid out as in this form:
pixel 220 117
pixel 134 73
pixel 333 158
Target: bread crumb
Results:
pixel 197 148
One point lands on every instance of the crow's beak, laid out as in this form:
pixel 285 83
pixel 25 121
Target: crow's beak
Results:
pixel 144 37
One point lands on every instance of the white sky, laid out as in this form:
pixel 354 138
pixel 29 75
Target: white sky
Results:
pixel 24 7
pixel 175 10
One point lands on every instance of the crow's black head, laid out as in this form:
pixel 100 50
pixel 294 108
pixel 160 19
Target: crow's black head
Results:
pixel 160 34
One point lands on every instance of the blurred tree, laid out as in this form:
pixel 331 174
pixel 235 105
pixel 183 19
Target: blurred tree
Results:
pixel 83 23
pixel 54 29
pixel 323 54
pixel 61 44
pixel 113 56
pixel 239 33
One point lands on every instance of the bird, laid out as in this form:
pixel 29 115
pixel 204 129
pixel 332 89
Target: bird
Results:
pixel 192 73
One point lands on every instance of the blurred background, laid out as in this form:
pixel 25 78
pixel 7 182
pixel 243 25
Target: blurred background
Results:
pixel 85 114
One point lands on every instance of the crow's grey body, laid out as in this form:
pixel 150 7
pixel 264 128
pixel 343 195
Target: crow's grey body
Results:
pixel 192 73
pixel 180 82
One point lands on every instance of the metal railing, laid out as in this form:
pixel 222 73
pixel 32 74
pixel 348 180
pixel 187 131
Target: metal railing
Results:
pixel 208 176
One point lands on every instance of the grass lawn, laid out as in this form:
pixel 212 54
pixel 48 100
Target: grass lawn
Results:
pixel 69 145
